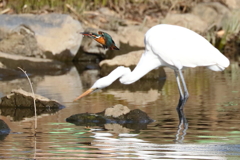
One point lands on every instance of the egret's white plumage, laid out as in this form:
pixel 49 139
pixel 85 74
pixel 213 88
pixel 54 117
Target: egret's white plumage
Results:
pixel 170 46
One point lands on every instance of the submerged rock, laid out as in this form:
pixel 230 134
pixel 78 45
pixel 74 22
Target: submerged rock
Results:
pixel 118 114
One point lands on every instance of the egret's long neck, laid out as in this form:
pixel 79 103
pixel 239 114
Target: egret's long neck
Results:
pixel 147 62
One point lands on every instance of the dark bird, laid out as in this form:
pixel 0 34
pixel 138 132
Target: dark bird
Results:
pixel 102 38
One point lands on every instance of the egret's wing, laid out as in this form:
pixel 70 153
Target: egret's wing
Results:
pixel 181 47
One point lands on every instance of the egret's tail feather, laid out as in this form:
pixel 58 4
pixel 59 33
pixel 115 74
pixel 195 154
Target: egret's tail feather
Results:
pixel 221 65
pixel 216 67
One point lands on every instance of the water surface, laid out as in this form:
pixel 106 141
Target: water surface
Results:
pixel 212 112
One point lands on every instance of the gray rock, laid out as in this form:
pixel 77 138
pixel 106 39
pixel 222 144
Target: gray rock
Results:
pixel 132 35
pixel 128 59
pixel 21 41
pixel 56 34
pixel 188 20
pixel 211 13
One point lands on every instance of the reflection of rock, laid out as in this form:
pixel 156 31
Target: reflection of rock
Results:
pixel 20 98
pixel 62 87
pixel 140 98
pixel 4 130
pixel 89 77
pixel 134 119
pixel 116 128
pixel 56 34
pixel 19 114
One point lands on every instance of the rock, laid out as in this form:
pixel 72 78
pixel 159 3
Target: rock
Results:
pixel 188 20
pixel 233 4
pixel 129 60
pixel 117 111
pixel 30 64
pixel 56 34
pixel 134 119
pixel 4 129
pixel 211 13
pixel 20 98
pixel 22 42
pixel 231 20
pixel 132 35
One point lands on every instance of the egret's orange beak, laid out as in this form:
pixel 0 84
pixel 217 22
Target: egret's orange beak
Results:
pixel 85 93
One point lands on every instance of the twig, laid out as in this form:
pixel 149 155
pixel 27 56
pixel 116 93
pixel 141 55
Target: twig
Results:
pixel 34 99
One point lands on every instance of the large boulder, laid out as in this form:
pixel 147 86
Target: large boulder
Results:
pixel 188 20
pixel 128 59
pixel 56 34
pixel 132 35
pixel 211 13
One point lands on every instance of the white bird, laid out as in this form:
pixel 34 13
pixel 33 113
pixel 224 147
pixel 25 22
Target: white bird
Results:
pixel 169 46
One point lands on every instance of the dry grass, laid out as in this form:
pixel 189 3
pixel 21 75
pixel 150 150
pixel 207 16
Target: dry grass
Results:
pixel 132 9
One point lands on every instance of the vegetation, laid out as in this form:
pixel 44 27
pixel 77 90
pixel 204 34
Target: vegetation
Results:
pixel 126 8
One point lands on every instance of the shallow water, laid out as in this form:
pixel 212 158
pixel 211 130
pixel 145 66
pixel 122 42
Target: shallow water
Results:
pixel 212 112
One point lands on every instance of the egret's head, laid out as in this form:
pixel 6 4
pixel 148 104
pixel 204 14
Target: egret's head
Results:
pixel 107 80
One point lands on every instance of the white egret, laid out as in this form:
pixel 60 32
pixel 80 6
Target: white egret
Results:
pixel 170 46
